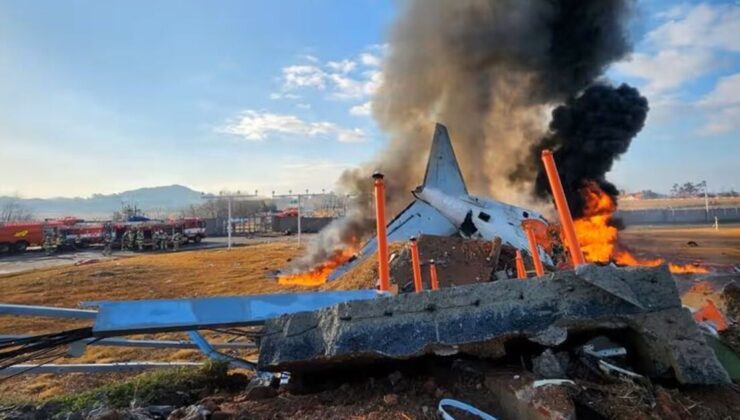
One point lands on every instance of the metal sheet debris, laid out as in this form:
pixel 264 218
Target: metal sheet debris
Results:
pixel 130 317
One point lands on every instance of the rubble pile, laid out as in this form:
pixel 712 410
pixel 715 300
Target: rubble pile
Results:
pixel 638 307
pixel 459 261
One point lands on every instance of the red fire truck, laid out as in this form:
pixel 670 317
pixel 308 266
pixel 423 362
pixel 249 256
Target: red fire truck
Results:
pixel 75 233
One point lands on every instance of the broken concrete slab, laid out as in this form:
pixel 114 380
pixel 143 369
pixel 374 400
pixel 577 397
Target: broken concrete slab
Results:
pixel 609 279
pixel 478 319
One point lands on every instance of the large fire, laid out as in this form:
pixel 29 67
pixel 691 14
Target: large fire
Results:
pixel 599 238
pixel 318 275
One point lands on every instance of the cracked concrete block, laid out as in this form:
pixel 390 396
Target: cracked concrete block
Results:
pixel 479 319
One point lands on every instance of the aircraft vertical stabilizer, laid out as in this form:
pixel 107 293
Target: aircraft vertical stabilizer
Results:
pixel 443 172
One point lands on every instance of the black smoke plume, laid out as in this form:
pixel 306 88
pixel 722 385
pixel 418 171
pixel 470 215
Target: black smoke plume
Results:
pixel 587 134
pixel 489 70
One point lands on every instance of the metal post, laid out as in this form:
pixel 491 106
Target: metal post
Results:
pixel 706 199
pixel 416 266
pixel 228 227
pixel 299 220
pixel 433 275
pixel 538 268
pixel 521 272
pixel 561 205
pixel 383 269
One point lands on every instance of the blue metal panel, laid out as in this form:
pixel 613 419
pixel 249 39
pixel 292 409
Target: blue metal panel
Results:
pixel 139 316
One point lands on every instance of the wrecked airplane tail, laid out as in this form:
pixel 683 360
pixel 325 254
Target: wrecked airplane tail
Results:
pixel 443 172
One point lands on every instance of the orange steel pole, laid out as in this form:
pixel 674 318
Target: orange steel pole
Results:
pixel 561 205
pixel 381 236
pixel 538 268
pixel 433 275
pixel 416 265
pixel 521 272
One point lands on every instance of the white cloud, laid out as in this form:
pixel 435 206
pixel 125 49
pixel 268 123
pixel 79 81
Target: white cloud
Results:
pixel 370 60
pixel 344 66
pixel 303 76
pixel 708 26
pixel 723 107
pixel 721 121
pixel 668 69
pixel 283 95
pixel 685 46
pixel 354 80
pixel 361 110
pixel 311 58
pixel 257 126
pixel 726 92
pixel 344 79
pixel 304 106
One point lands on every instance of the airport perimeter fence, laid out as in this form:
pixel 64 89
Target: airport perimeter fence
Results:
pixel 680 216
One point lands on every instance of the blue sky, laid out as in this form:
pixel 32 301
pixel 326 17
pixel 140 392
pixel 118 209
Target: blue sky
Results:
pixel 108 96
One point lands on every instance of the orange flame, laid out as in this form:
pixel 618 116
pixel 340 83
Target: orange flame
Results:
pixel 318 275
pixel 599 240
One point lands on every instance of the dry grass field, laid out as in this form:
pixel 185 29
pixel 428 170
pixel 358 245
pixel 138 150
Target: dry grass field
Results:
pixel 243 270
pixel 714 247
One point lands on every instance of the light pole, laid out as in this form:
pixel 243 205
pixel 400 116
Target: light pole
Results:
pixel 230 198
pixel 298 197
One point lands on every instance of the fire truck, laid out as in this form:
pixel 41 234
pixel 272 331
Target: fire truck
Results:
pixel 73 233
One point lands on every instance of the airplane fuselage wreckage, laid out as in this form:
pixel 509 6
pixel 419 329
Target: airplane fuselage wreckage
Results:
pixel 443 207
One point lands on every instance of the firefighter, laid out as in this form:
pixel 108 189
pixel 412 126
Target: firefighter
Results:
pixel 165 240
pixel 140 239
pixel 59 239
pixel 125 240
pixel 162 240
pixel 156 239
pixel 49 244
pixel 176 238
pixel 107 241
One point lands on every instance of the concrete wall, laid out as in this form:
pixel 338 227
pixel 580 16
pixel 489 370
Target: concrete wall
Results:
pixel 308 224
pixel 217 227
pixel 679 216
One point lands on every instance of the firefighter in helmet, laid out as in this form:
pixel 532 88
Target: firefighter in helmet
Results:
pixel 140 239
pixel 59 238
pixel 176 239
pixel 125 240
pixel 107 239
pixel 163 236
pixel 49 243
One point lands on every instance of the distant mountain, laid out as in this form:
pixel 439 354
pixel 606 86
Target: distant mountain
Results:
pixel 167 199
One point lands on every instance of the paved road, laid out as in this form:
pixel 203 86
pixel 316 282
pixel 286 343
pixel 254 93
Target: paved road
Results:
pixel 35 258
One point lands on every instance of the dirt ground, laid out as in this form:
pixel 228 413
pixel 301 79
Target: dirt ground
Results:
pixel 242 270
pixel 713 247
